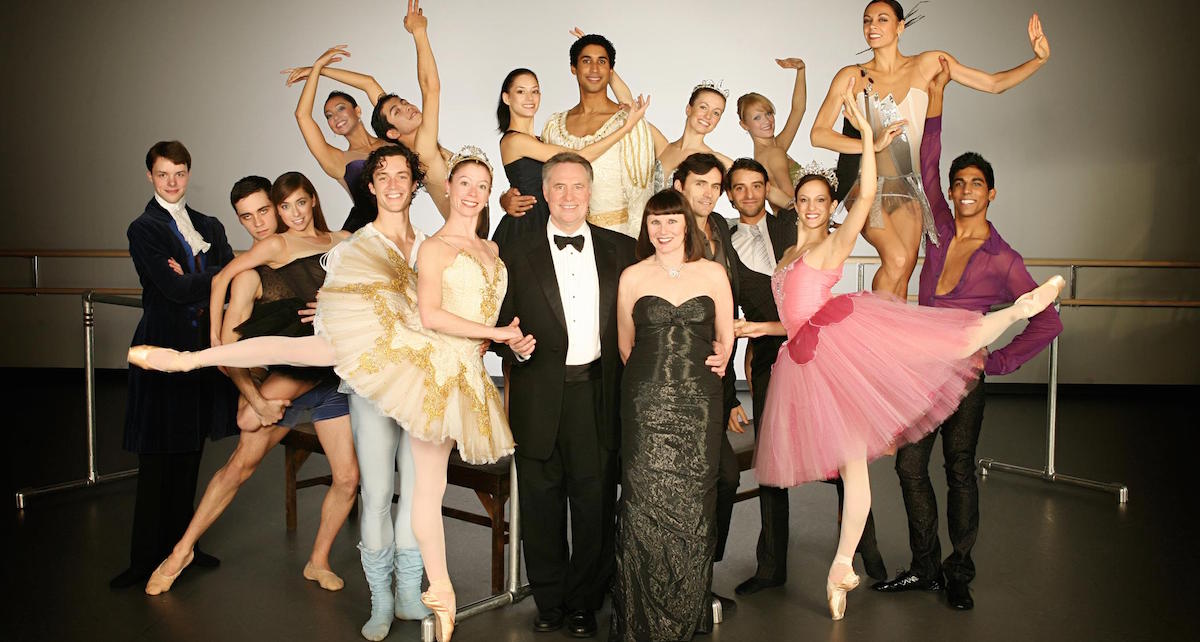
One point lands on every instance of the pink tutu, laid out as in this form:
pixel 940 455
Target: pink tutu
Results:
pixel 860 375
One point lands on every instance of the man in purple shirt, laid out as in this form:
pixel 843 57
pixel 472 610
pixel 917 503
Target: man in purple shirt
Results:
pixel 973 269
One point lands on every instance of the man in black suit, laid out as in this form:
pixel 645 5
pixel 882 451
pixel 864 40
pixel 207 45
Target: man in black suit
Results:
pixel 700 179
pixel 759 241
pixel 563 397
pixel 176 251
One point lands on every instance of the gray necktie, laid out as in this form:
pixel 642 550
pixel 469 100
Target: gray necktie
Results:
pixel 761 256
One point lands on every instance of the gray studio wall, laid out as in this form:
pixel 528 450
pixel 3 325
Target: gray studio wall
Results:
pixel 1095 155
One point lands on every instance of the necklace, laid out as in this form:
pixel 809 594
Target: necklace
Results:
pixel 672 272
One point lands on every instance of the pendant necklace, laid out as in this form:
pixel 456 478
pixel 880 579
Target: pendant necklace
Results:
pixel 672 272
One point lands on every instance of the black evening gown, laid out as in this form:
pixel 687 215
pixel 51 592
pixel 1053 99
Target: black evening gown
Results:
pixel 524 174
pixel 671 410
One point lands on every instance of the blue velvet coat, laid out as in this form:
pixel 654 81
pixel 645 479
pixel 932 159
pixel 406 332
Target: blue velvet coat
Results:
pixel 174 413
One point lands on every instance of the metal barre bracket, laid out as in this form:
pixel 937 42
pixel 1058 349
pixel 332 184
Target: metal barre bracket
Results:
pixel 1049 474
pixel 516 592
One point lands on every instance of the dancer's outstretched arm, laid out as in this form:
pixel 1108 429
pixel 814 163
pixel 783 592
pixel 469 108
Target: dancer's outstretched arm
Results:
pixel 841 241
pixel 998 82
pixel 520 145
pixel 799 103
pixel 365 83
pixel 328 156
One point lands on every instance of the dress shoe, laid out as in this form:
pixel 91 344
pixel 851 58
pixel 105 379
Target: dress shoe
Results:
pixel 549 620
pixel 129 577
pixel 908 581
pixel 959 595
pixel 582 624
pixel 756 584
pixel 204 560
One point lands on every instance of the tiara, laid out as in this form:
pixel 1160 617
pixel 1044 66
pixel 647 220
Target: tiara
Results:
pixel 816 169
pixel 713 85
pixel 468 152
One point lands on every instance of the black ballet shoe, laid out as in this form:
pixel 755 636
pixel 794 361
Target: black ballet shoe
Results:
pixel 756 584
pixel 958 594
pixel 204 560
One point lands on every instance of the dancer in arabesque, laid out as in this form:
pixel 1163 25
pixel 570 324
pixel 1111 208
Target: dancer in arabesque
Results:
pixel 885 373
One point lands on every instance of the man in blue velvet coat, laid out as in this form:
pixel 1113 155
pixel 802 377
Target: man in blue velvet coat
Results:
pixel 176 251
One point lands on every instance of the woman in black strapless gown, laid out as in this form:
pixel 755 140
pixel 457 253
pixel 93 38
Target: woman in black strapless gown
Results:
pixel 671 307
pixel 523 153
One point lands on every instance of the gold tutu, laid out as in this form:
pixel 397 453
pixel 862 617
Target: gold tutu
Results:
pixel 433 384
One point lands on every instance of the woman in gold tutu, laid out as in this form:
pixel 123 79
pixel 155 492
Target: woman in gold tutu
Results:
pixel 409 344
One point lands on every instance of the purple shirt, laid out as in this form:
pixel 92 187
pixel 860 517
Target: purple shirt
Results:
pixel 995 273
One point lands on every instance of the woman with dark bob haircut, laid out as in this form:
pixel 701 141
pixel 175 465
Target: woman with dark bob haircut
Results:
pixel 672 307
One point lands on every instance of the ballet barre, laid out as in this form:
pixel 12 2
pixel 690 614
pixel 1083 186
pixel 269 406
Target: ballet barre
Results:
pixel 1049 472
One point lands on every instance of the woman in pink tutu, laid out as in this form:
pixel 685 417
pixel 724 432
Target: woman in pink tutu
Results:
pixel 860 374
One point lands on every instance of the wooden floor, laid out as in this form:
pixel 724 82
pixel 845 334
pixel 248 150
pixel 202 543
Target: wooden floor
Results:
pixel 1054 562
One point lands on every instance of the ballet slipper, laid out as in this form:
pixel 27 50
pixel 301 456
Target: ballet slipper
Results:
pixel 328 580
pixel 1041 297
pixel 443 612
pixel 161 359
pixel 836 592
pixel 160 582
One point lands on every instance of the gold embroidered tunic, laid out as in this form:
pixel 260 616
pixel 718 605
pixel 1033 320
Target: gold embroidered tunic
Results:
pixel 433 384
pixel 623 176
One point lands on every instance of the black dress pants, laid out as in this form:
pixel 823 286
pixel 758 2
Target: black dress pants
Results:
pixel 582 475
pixel 960 437
pixel 164 505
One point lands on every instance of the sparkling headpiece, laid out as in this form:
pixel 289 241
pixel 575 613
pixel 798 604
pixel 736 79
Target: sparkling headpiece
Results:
pixel 816 169
pixel 468 152
pixel 714 85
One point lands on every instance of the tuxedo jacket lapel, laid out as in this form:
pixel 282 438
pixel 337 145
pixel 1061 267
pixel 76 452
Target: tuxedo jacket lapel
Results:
pixel 543 270
pixel 607 275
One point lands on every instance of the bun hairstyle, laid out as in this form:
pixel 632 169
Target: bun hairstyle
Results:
pixel 503 115
pixel 342 94
pixel 896 7
pixel 753 99
pixel 808 178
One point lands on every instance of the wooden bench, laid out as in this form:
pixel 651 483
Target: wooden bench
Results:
pixel 489 481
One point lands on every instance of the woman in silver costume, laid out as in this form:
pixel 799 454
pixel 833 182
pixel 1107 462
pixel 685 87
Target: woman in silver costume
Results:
pixel 890 92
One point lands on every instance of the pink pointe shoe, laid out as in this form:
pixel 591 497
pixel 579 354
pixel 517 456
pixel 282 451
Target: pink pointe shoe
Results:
pixel 836 593
pixel 160 359
pixel 1041 297
pixel 444 613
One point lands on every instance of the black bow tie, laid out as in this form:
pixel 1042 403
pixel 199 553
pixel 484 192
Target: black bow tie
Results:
pixel 574 241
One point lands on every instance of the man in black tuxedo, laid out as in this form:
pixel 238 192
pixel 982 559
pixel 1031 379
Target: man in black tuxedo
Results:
pixel 563 397
pixel 176 251
pixel 700 178
pixel 759 241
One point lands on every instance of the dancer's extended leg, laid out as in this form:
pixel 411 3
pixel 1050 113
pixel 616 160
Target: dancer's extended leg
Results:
pixel 250 353
pixel 995 323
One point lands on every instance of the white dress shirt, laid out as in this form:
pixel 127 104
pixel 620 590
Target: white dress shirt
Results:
pixel 753 245
pixel 579 288
pixel 183 222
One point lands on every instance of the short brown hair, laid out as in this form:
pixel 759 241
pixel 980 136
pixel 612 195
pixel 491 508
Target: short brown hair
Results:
pixel 665 203
pixel 171 150
pixel 562 158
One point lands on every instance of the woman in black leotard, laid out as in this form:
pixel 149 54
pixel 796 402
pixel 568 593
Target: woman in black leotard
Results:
pixel 523 153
